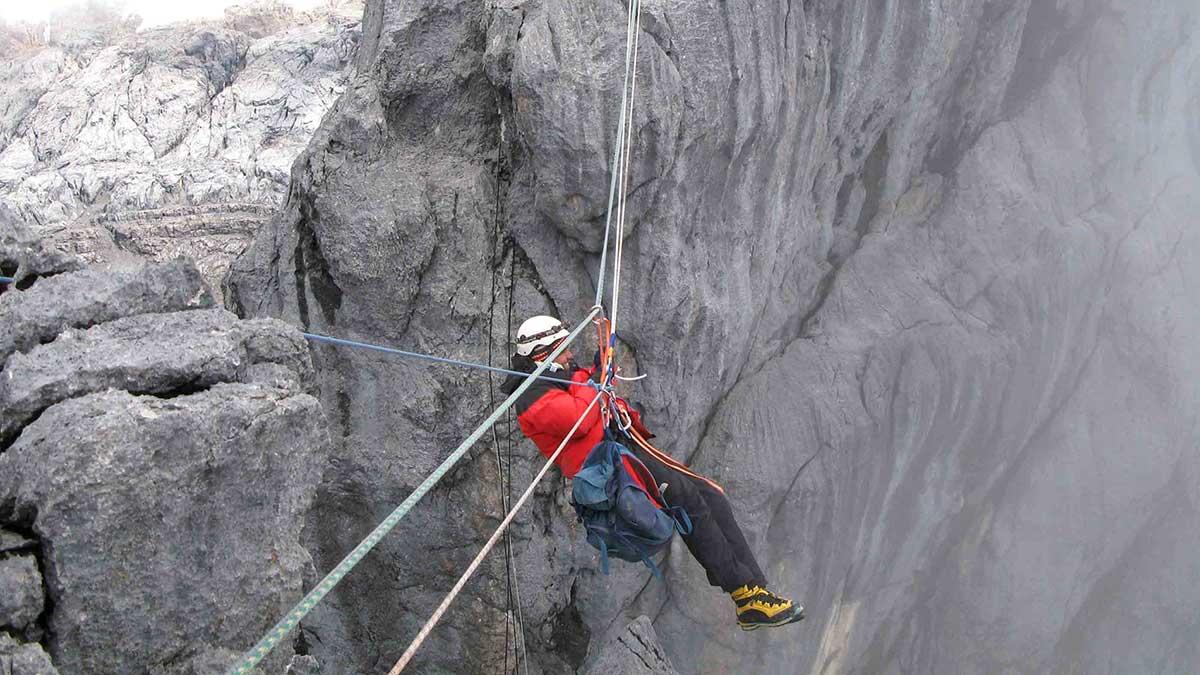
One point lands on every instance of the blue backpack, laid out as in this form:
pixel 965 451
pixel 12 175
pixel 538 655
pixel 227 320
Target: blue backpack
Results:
pixel 619 516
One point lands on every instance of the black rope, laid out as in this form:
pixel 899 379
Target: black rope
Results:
pixel 505 495
pixel 508 432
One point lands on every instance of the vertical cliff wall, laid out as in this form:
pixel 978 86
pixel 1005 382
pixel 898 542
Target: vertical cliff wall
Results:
pixel 914 281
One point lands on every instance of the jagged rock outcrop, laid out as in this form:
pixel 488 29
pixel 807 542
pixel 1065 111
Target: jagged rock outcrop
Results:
pixel 156 459
pixel 23 259
pixel 160 354
pixel 93 296
pixel 165 532
pixel 21 601
pixel 633 651
pixel 171 141
pixel 23 659
pixel 912 280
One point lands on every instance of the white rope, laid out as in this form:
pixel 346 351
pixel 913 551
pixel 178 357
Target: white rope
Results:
pixel 618 150
pixel 622 192
pixel 462 580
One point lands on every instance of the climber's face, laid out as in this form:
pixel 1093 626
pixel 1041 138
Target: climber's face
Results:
pixel 564 359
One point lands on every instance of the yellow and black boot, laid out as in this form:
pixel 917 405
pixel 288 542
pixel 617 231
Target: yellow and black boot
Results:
pixel 758 607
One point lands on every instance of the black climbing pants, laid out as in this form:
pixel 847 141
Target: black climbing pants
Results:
pixel 716 540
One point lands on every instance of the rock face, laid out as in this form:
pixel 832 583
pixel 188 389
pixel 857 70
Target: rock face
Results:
pixel 171 141
pixel 161 354
pixel 21 601
pixel 913 280
pixel 97 295
pixel 23 659
pixel 156 459
pixel 634 651
pixel 23 259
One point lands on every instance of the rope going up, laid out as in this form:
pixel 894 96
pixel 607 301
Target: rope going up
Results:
pixel 293 617
pixel 462 580
pixel 503 478
pixel 607 331
pixel 622 195
pixel 618 145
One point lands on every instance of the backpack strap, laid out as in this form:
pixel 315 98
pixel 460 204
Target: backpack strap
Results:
pixel 641 552
pixel 683 524
pixel 603 555
pixel 644 475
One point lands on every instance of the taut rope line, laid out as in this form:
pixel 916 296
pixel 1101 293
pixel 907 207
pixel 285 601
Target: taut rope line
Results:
pixel 462 580
pixel 292 618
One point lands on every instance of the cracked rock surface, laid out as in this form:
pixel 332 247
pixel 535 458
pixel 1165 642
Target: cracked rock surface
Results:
pixel 158 456
pixel 21 601
pixel 23 258
pixel 634 651
pixel 93 296
pixel 23 659
pixel 174 140
pixel 915 281
pixel 159 354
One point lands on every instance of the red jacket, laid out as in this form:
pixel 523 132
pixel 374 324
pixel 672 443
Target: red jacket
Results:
pixel 547 410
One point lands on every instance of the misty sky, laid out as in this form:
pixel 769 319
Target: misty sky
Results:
pixel 153 12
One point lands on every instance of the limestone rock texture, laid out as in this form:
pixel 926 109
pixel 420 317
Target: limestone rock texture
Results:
pixel 21 601
pixel 170 141
pixel 634 651
pixel 915 281
pixel 23 659
pixel 157 458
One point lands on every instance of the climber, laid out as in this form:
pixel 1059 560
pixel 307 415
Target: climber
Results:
pixel 547 410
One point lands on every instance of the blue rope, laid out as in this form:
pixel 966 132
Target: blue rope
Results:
pixel 6 280
pixel 436 359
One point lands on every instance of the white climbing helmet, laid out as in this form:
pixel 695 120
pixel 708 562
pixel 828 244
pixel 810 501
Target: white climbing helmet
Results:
pixel 539 333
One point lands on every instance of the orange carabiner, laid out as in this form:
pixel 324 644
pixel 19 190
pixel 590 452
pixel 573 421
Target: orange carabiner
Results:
pixel 603 340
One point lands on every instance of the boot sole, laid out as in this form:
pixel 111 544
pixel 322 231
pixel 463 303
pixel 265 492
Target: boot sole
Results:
pixel 798 616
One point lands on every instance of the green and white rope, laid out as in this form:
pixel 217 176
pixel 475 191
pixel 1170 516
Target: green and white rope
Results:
pixel 268 642
pixel 462 580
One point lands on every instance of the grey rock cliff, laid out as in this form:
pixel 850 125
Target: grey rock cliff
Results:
pixel 156 460
pixel 23 659
pixel 914 281
pixel 21 601
pixel 23 258
pixel 633 651
pixel 94 296
pixel 170 141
